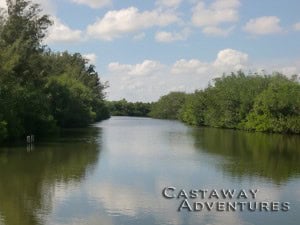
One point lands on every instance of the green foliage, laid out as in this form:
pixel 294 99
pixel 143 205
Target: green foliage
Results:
pixel 25 22
pixel 252 102
pixel 168 106
pixel 276 109
pixel 231 98
pixel 124 108
pixel 74 89
pixel 192 111
pixel 70 101
pixel 41 91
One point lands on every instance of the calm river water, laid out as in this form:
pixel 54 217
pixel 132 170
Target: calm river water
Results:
pixel 115 171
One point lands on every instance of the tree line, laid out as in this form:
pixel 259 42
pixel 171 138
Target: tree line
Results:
pixel 41 90
pixel 252 102
pixel 265 103
pixel 125 108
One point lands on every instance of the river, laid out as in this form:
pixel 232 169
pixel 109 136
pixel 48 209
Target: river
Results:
pixel 114 172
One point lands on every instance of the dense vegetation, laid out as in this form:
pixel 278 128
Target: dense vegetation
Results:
pixel 168 106
pixel 238 101
pixel 125 108
pixel 41 91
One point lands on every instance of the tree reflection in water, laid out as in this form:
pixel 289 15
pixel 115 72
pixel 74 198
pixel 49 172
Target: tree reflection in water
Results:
pixel 29 178
pixel 272 156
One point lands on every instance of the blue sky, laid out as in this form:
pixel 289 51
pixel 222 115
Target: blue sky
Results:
pixel 145 49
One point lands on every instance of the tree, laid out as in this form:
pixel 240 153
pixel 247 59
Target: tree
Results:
pixel 238 101
pixel 125 108
pixel 193 109
pixel 168 106
pixel 41 91
pixel 276 109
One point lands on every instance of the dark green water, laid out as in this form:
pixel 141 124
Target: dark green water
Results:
pixel 115 171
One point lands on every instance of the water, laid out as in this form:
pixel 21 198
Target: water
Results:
pixel 115 171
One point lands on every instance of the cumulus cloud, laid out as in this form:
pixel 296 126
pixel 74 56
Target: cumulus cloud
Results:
pixel 47 5
pixel 289 68
pixel 163 36
pixel 263 25
pixel 60 32
pixel 230 59
pixel 193 66
pixel 220 11
pixel 145 68
pixel 93 3
pixel 118 22
pixel 91 57
pixel 148 80
pixel 297 26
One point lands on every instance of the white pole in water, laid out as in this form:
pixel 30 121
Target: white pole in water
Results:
pixel 30 139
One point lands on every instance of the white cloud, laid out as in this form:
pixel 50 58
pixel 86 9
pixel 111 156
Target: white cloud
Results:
pixel 163 36
pixel 149 80
pixel 263 25
pixel 216 31
pixel 91 57
pixel 192 66
pixel 229 59
pixel 297 26
pixel 60 32
pixel 219 12
pixel 118 22
pixel 148 67
pixel 93 3
pixel 47 6
pixel 168 3
pixel 289 70
pixel 145 68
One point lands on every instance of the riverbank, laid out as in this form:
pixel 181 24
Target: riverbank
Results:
pixel 260 103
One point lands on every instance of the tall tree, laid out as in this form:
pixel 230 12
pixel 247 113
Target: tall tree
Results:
pixel 41 90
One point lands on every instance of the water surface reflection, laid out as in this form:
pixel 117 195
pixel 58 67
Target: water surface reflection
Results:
pixel 64 181
pixel 272 156
pixel 31 181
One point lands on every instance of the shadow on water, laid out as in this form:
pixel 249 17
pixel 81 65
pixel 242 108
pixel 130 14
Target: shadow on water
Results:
pixel 28 178
pixel 272 156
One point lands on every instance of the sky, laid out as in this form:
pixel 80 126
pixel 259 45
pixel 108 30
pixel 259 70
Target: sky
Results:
pixel 146 49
